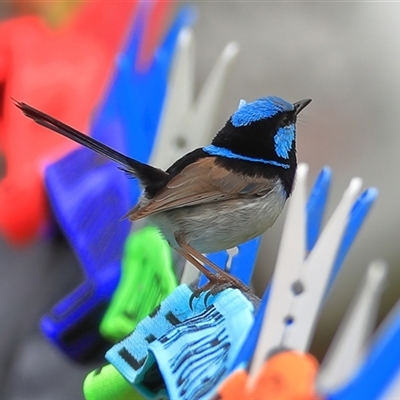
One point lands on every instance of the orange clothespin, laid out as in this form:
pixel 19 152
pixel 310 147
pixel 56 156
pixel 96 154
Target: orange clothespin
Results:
pixel 289 375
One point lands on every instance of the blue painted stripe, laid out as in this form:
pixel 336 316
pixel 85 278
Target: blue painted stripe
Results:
pixel 222 152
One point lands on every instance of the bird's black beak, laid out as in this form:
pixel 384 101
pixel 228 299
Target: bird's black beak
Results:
pixel 299 105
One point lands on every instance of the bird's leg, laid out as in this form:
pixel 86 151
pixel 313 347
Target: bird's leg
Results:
pixel 187 256
pixel 217 282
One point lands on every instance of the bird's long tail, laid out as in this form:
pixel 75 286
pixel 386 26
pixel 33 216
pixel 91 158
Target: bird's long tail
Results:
pixel 146 174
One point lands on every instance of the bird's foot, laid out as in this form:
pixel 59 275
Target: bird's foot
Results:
pixel 217 284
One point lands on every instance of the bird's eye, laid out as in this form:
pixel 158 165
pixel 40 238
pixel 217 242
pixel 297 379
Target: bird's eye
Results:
pixel 286 120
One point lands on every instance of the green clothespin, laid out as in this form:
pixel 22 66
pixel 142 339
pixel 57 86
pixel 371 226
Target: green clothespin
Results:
pixel 107 383
pixel 147 278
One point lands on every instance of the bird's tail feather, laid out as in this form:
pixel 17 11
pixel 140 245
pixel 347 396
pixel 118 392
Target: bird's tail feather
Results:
pixel 145 173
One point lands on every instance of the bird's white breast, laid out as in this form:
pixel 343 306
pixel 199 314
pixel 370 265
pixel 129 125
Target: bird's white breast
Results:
pixel 221 225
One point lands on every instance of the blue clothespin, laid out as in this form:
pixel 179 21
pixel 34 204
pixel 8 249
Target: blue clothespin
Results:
pixel 89 200
pixel 297 246
pixel 377 375
pixel 134 103
pixel 88 197
pixel 347 351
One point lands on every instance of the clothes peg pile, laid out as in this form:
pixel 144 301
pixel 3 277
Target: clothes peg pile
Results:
pixel 157 339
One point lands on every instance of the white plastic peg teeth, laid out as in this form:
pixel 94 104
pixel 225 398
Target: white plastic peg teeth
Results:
pixel 178 99
pixel 199 124
pixel 186 124
pixel 190 273
pixel 291 256
pixel 347 349
pixel 315 274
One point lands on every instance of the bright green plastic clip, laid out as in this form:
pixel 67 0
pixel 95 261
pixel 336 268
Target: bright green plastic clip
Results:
pixel 107 383
pixel 147 278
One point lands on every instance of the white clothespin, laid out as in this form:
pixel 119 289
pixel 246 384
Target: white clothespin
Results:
pixel 347 349
pixel 187 123
pixel 300 281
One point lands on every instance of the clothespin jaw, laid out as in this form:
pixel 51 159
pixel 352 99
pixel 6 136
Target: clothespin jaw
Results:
pixel 187 123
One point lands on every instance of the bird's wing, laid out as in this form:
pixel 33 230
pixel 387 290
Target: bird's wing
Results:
pixel 199 183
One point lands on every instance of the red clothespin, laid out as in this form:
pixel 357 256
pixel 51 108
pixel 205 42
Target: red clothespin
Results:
pixel 63 72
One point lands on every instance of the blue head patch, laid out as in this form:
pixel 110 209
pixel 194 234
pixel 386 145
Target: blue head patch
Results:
pixel 284 139
pixel 266 107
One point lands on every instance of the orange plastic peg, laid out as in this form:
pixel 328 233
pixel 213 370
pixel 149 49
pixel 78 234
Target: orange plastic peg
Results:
pixel 285 376
pixel 288 375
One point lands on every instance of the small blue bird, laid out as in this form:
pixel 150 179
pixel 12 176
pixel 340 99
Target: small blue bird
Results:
pixel 218 196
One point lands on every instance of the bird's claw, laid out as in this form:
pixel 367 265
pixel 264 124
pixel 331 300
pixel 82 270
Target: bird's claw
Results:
pixel 218 284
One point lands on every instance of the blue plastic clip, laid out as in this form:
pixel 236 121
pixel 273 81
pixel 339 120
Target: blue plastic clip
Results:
pixel 380 367
pixel 133 106
pixel 89 195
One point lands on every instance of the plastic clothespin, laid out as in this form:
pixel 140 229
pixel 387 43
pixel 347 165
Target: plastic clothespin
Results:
pixel 377 375
pixel 187 123
pixel 147 278
pixel 286 376
pixel 347 350
pixel 28 51
pixel 91 220
pixel 299 282
pixel 316 205
pixel 317 195
pixel 127 310
pixel 301 242
pixel 184 351
pixel 106 383
pixel 136 111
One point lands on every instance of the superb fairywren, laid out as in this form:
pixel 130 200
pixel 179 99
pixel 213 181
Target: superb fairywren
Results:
pixel 218 196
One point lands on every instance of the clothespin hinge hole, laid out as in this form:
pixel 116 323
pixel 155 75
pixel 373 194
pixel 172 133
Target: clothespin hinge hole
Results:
pixel 297 288
pixel 289 320
pixel 180 142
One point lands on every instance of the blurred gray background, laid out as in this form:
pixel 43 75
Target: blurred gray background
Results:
pixel 346 57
